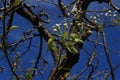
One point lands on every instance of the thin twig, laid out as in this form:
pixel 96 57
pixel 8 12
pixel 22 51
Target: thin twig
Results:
pixel 108 56
pixel 39 55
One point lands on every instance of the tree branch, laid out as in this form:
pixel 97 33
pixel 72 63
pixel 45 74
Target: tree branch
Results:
pixel 108 56
pixel 26 12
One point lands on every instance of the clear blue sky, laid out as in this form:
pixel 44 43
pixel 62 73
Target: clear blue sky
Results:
pixel 112 34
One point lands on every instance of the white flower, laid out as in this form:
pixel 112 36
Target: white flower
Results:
pixel 94 17
pixel 57 25
pixel 114 15
pixel 106 14
pixel 65 24
pixel 95 21
pixel 55 30
pixel 109 11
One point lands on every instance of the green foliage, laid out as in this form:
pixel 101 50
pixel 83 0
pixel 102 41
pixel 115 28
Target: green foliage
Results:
pixel 75 38
pixel 28 76
pixel 89 32
pixel 16 3
pixel 50 43
pixel 64 35
pixel 70 47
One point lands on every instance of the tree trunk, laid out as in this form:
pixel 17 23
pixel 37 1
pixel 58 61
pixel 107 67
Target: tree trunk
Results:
pixel 60 72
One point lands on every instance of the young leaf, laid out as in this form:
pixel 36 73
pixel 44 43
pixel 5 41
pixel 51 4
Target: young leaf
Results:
pixel 14 27
pixel 79 41
pixel 16 3
pixel 50 43
pixel 28 76
pixel 68 46
pixel 73 36
pixel 64 35
pixel 71 48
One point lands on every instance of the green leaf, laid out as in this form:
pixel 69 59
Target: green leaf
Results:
pixel 79 41
pixel 16 3
pixel 28 76
pixel 76 40
pixel 71 48
pixel 50 43
pixel 14 27
pixel 64 35
pixel 55 49
pixel 73 36
pixel 89 32
pixel 68 46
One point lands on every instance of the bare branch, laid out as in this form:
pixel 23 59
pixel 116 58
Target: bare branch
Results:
pixel 108 57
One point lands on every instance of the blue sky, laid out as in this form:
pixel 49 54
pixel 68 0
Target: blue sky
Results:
pixel 112 34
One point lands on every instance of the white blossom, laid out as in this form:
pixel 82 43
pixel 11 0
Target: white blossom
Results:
pixel 109 11
pixel 106 14
pixel 94 17
pixel 55 30
pixel 95 21
pixel 114 15
pixel 57 25
pixel 65 24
